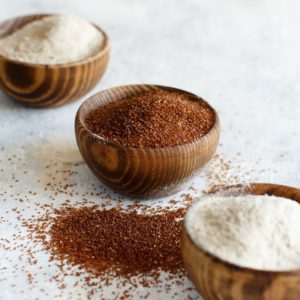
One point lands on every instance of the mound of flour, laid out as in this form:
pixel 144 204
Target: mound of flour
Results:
pixel 261 232
pixel 53 40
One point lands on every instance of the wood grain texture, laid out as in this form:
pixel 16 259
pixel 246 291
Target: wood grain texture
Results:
pixel 216 279
pixel 141 172
pixel 40 85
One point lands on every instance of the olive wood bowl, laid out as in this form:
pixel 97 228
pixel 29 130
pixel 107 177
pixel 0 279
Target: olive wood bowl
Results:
pixel 48 85
pixel 141 172
pixel 216 279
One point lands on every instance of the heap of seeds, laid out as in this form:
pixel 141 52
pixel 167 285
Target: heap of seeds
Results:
pixel 117 242
pixel 156 118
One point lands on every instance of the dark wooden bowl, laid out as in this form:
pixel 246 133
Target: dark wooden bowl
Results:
pixel 217 279
pixel 141 172
pixel 41 85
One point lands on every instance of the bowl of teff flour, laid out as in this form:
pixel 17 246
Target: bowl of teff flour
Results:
pixel 50 60
pixel 146 140
pixel 245 246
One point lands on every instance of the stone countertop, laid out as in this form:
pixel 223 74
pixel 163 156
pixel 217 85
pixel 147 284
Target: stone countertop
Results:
pixel 241 56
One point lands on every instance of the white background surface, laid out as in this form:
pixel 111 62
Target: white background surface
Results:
pixel 240 55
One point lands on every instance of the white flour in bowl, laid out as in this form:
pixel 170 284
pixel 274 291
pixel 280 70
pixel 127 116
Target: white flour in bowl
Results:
pixel 261 232
pixel 55 39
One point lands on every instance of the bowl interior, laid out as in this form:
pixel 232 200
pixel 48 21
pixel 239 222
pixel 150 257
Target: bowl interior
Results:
pixel 252 189
pixel 117 93
pixel 10 26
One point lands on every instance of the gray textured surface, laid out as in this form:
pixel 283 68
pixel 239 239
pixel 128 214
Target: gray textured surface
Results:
pixel 242 56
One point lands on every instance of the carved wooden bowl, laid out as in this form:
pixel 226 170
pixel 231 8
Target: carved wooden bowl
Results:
pixel 141 172
pixel 217 279
pixel 41 85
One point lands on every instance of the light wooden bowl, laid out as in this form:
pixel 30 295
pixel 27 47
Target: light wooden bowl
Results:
pixel 216 279
pixel 41 85
pixel 141 172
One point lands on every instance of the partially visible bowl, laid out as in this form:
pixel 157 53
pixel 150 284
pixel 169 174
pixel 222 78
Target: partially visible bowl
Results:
pixel 141 172
pixel 41 85
pixel 216 279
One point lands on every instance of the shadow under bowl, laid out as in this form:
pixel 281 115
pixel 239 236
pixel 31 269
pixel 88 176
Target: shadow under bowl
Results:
pixel 49 85
pixel 141 172
pixel 216 279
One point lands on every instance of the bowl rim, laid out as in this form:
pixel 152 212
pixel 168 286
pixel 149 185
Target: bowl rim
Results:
pixel 104 48
pixel 215 128
pixel 244 189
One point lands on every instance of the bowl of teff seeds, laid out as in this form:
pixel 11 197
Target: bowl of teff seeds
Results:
pixel 50 60
pixel 146 140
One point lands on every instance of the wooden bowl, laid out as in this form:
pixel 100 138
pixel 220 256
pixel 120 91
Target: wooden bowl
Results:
pixel 141 172
pixel 217 279
pixel 42 85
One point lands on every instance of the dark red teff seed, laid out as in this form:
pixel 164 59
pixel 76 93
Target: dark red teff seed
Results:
pixel 154 119
pixel 115 241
